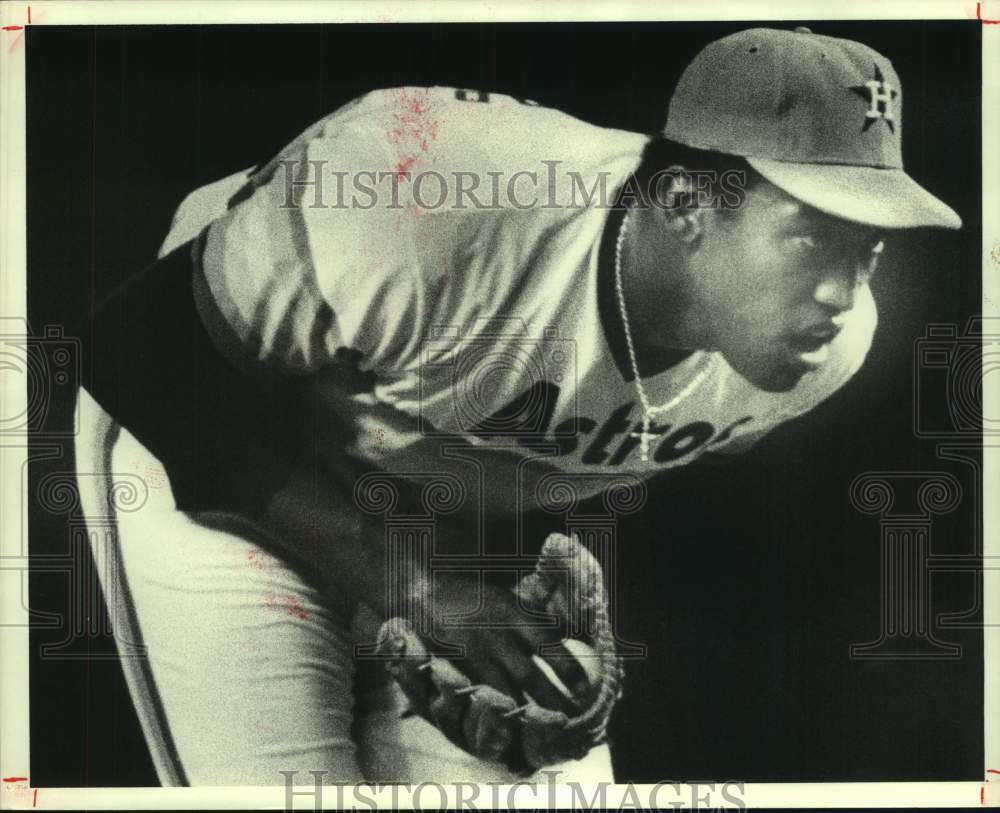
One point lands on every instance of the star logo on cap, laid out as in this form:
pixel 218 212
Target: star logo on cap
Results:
pixel 879 95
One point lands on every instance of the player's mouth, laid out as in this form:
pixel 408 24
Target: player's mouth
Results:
pixel 810 347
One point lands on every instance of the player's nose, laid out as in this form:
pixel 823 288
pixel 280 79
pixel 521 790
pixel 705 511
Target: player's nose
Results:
pixel 837 286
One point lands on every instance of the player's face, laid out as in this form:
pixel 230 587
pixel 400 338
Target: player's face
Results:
pixel 775 281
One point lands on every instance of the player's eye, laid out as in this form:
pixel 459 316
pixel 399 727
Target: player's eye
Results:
pixel 803 243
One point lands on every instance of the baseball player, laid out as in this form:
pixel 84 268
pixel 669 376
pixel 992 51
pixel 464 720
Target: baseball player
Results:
pixel 455 284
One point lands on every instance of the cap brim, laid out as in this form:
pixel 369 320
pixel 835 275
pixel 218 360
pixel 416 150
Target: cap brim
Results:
pixel 887 198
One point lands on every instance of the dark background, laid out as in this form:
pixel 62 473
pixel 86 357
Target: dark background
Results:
pixel 751 581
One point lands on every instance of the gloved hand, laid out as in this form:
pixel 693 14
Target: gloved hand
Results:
pixel 519 694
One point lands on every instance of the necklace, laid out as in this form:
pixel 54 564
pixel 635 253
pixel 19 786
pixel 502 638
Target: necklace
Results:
pixel 648 412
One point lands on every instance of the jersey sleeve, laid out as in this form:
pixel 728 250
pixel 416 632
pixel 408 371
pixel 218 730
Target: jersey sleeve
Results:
pixel 298 273
pixel 201 207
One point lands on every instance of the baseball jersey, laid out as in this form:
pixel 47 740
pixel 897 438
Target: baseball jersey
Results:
pixel 470 336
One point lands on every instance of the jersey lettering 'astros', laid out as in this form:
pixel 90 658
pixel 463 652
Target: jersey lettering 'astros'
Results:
pixel 475 339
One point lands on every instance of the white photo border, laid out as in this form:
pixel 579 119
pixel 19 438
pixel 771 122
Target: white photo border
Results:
pixel 14 695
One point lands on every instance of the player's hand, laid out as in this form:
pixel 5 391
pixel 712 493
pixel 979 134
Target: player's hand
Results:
pixel 518 693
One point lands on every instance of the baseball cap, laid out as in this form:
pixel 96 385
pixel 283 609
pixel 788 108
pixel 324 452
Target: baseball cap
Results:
pixel 819 117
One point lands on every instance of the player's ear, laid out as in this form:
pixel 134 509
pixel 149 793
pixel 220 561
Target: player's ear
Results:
pixel 686 226
pixel 679 203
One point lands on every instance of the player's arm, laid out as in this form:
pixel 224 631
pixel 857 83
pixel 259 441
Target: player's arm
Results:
pixel 228 434
pixel 206 357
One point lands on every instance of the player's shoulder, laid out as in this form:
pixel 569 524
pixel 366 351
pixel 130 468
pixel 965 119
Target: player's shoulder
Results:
pixel 448 125
pixel 427 107
pixel 428 171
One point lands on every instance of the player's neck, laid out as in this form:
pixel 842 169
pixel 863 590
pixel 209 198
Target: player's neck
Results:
pixel 656 300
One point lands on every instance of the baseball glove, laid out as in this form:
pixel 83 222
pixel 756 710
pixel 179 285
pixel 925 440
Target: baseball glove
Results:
pixel 538 726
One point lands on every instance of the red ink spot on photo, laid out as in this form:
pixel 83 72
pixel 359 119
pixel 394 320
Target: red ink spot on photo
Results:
pixel 15 779
pixel 34 798
pixel 295 607
pixel 979 16
pixel 29 15
pixel 403 166
pixel 13 27
pixel 415 122
pixel 260 560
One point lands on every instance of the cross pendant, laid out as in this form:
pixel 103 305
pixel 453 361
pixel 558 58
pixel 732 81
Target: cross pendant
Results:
pixel 644 439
